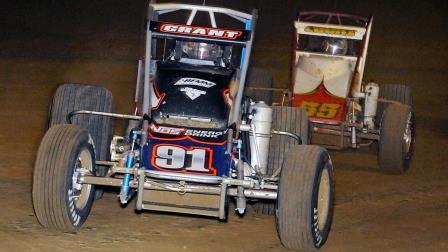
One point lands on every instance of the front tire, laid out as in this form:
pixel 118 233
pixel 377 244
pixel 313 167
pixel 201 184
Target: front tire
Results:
pixel 305 198
pixel 289 119
pixel 59 201
pixel 397 139
pixel 71 97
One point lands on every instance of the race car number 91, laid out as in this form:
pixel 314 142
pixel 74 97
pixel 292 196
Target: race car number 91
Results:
pixel 178 158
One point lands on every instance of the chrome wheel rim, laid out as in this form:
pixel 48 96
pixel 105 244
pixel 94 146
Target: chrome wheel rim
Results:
pixel 323 199
pixel 81 192
pixel 408 134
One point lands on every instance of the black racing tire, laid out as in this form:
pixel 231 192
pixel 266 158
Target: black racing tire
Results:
pixel 259 78
pixel 70 97
pixel 397 139
pixel 58 202
pixel 289 119
pixel 305 198
pixel 393 92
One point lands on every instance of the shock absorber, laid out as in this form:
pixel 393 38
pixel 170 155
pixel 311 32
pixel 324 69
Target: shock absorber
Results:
pixel 130 160
pixel 240 199
pixel 260 136
pixel 370 104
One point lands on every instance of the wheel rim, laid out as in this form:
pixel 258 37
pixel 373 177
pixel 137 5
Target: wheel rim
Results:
pixel 408 136
pixel 323 199
pixel 81 192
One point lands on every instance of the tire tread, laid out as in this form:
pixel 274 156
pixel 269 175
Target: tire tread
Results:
pixel 294 197
pixel 70 97
pixel 393 124
pixel 287 119
pixel 394 92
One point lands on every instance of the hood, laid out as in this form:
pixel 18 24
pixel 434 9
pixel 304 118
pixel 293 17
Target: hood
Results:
pixel 192 96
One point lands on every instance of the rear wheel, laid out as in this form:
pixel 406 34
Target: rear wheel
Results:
pixel 397 139
pixel 305 198
pixel 289 119
pixel 59 200
pixel 259 78
pixel 71 97
pixel 393 92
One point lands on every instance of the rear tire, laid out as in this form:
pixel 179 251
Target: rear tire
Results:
pixel 289 119
pixel 59 201
pixel 71 97
pixel 397 139
pixel 393 92
pixel 259 78
pixel 305 198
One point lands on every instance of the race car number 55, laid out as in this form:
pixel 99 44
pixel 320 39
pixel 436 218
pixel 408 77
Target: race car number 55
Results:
pixel 175 157
pixel 322 110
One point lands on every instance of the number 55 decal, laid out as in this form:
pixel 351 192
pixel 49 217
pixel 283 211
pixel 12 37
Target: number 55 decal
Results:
pixel 177 158
pixel 322 110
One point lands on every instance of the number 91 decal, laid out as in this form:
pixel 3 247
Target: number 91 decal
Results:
pixel 179 158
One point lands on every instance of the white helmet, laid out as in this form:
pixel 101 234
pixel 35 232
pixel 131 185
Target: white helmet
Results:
pixel 201 51
pixel 335 46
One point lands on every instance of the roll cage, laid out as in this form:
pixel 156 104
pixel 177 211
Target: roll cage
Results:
pixel 186 31
pixel 336 25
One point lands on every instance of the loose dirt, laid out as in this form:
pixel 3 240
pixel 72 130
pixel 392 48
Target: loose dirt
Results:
pixel 48 43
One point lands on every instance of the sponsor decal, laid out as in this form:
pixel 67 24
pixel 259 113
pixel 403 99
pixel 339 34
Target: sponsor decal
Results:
pixel 192 93
pixel 75 217
pixel 166 130
pixel 194 82
pixel 186 132
pixel 204 133
pixel 330 31
pixel 183 29
pixel 317 235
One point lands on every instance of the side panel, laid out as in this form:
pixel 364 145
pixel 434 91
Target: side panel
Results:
pixel 186 155
pixel 321 106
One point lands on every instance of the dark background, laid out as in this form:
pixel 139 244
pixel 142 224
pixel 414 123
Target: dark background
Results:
pixel 46 43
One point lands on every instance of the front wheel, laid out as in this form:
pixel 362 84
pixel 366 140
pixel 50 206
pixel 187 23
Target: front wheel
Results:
pixel 289 119
pixel 59 201
pixel 305 198
pixel 72 97
pixel 397 139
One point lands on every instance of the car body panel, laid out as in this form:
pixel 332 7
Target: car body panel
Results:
pixel 211 157
pixel 322 83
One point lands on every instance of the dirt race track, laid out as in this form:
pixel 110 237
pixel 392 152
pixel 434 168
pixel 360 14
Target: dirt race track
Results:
pixel 46 43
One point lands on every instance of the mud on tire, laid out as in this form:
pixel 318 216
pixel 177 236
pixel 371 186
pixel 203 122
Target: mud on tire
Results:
pixel 59 201
pixel 397 139
pixel 287 119
pixel 305 198
pixel 71 97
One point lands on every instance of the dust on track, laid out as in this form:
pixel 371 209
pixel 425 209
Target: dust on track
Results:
pixel 48 43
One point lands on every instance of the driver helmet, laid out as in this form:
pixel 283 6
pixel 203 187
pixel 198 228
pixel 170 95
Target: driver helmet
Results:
pixel 201 50
pixel 335 46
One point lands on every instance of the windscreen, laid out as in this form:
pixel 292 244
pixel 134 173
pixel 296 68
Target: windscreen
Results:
pixel 198 52
pixel 328 45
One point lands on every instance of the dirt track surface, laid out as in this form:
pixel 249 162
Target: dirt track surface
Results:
pixel 51 42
